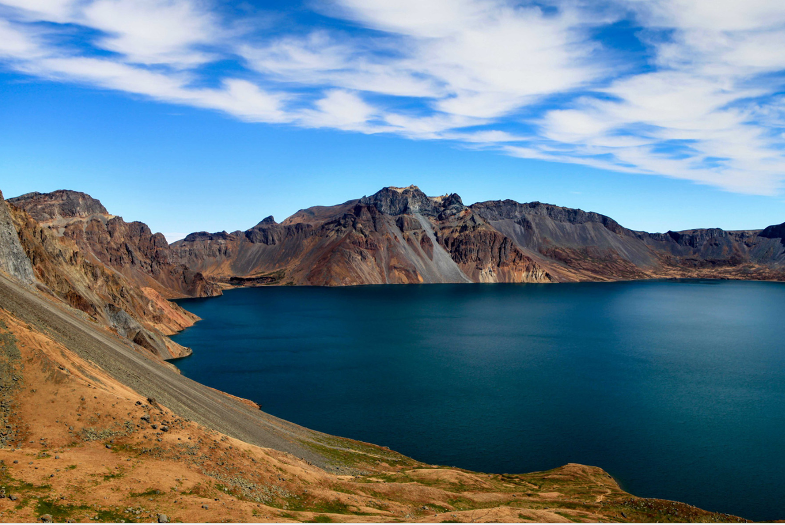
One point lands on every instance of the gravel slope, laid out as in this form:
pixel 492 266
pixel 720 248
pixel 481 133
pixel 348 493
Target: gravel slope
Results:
pixel 185 397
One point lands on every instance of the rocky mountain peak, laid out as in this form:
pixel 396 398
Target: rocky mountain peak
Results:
pixel 60 204
pixel 411 199
pixel 267 221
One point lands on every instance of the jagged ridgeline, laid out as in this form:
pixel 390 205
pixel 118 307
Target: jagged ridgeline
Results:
pixel 400 235
pixel 396 236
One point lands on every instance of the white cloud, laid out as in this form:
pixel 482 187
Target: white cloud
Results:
pixel 320 59
pixel 50 10
pixel 152 31
pixel 490 57
pixel 705 108
pixel 16 44
pixel 341 110
pixel 698 116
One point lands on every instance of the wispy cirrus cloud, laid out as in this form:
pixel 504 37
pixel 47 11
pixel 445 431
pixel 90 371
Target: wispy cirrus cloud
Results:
pixel 699 99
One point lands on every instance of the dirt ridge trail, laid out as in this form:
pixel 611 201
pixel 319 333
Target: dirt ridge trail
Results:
pixel 183 396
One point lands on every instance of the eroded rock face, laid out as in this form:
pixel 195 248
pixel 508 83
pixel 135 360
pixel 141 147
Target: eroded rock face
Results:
pixel 400 235
pixel 129 247
pixel 13 259
pixel 509 209
pixel 75 276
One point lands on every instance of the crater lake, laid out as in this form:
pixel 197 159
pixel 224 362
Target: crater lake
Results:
pixel 676 388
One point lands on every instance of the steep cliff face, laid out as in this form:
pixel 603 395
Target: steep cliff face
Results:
pixel 82 281
pixel 396 236
pixel 13 260
pixel 130 248
pixel 486 255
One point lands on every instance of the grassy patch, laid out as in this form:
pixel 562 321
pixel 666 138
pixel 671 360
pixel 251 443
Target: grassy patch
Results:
pixel 354 453
pixel 149 493
pixel 343 490
pixel 110 516
pixel 59 512
pixel 337 456
pixel 332 507
pixel 114 475
pixel 461 503
pixel 14 486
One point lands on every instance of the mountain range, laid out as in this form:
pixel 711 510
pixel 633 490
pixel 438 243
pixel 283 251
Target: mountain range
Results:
pixel 400 236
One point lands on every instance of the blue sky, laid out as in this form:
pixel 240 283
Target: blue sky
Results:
pixel 209 115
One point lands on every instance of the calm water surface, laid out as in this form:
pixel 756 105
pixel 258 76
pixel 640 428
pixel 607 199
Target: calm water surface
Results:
pixel 675 388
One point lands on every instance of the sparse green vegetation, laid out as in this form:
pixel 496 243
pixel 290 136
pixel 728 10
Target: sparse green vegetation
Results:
pixel 114 475
pixel 146 494
pixel 321 519
pixel 59 512
pixel 332 507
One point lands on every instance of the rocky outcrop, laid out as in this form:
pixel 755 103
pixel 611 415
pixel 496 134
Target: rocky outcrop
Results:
pixel 411 200
pixel 487 256
pixel 59 205
pixel 13 260
pixel 75 276
pixel 131 248
pixel 774 232
pixel 400 236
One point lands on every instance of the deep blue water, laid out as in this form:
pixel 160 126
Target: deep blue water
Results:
pixel 677 389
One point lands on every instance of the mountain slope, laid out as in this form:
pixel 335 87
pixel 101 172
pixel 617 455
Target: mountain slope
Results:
pixel 578 245
pixel 400 235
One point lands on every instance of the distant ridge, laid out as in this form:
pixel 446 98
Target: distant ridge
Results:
pixel 400 235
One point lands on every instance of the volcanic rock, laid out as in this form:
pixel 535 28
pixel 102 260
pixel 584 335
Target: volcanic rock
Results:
pixel 13 259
